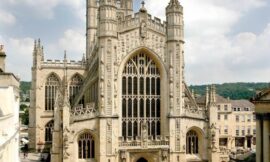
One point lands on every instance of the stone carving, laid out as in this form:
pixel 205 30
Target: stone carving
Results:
pixel 164 154
pixel 144 132
pixel 213 136
pixel 123 155
pixel 143 30
pixel 66 146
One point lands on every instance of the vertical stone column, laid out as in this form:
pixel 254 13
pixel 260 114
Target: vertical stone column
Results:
pixel 258 140
pixel 266 141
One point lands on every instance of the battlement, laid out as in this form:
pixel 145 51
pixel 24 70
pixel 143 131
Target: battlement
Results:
pixel 132 21
pixel 61 63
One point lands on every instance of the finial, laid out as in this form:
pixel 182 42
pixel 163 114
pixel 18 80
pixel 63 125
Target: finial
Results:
pixel 143 3
pixel 83 59
pixel 143 9
pixel 65 55
pixel 39 42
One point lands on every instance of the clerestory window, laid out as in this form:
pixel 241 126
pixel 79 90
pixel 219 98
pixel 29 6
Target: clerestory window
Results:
pixel 74 87
pixel 51 89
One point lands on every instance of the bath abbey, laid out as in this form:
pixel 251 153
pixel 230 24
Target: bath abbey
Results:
pixel 126 100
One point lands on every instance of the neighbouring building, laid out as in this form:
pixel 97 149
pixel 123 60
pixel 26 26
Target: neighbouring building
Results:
pixel 236 122
pixel 127 99
pixel 9 113
pixel 262 110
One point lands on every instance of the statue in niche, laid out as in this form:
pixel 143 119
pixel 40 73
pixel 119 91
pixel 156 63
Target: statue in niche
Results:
pixel 144 132
pixel 143 30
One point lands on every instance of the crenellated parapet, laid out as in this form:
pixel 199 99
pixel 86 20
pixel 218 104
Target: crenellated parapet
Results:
pixel 61 64
pixel 133 21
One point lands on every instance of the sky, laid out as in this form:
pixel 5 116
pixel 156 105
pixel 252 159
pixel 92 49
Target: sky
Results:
pixel 225 40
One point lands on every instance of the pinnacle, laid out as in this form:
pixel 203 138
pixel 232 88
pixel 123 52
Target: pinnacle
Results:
pixel 174 2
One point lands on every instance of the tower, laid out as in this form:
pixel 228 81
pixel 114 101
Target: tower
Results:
pixel 127 6
pixel 175 46
pixel 175 64
pixel 38 57
pixel 107 36
pixel 91 25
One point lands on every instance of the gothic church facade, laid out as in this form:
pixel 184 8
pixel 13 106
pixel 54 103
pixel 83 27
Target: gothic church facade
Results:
pixel 127 99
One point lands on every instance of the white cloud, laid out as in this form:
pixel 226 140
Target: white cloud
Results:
pixel 46 8
pixel 211 55
pixel 19 56
pixel 7 18
pixel 73 41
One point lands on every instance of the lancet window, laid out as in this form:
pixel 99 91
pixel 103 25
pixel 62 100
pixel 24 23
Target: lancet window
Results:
pixel 74 87
pixel 140 96
pixel 49 131
pixel 51 88
pixel 86 146
pixel 192 142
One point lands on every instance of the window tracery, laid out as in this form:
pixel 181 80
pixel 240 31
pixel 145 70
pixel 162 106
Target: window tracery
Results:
pixel 51 88
pixel 86 146
pixel 49 131
pixel 140 96
pixel 192 142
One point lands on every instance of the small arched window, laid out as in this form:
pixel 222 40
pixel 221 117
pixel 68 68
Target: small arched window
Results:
pixel 86 146
pixel 49 131
pixel 74 87
pixel 51 88
pixel 192 142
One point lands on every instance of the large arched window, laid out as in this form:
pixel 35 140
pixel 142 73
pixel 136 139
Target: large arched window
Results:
pixel 49 131
pixel 86 146
pixel 51 88
pixel 140 96
pixel 192 142
pixel 74 87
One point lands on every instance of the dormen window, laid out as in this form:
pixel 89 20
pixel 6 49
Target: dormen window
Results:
pixel 86 146
pixel 49 131
pixel 192 142
pixel 51 88
pixel 140 96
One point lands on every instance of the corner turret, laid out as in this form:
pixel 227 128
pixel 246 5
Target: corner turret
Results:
pixel 91 24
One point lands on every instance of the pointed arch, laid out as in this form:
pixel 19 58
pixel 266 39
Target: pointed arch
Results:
pixel 86 145
pixel 141 75
pixel 75 84
pixel 195 141
pixel 49 131
pixel 51 87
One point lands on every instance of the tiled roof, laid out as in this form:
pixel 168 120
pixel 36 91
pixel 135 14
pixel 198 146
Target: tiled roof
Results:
pixel 242 104
pixel 220 99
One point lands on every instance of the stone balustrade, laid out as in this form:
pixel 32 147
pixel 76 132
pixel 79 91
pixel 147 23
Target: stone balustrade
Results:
pixel 150 142
pixel 86 112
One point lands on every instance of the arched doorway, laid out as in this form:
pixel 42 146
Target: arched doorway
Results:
pixel 142 160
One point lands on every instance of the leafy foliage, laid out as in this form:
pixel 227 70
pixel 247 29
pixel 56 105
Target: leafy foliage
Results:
pixel 25 86
pixel 233 91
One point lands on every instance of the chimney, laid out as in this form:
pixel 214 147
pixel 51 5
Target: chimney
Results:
pixel 2 58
